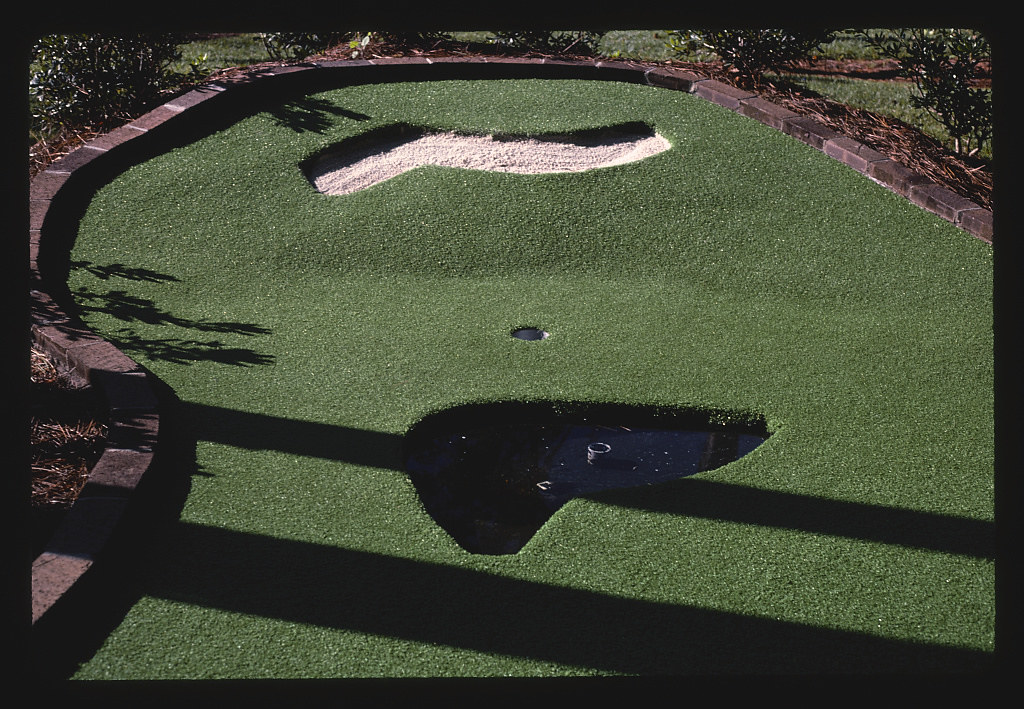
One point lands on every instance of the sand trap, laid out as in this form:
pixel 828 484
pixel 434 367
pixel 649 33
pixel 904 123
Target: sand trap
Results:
pixel 366 163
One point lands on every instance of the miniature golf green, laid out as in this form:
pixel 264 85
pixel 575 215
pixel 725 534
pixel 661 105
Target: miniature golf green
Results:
pixel 740 273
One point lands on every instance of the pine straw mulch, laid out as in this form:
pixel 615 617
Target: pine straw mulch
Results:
pixel 67 430
pixel 67 433
pixel 893 138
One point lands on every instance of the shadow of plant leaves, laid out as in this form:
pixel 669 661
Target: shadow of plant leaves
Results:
pixel 130 308
pixel 311 114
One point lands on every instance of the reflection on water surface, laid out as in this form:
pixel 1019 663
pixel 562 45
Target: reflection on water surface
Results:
pixel 492 477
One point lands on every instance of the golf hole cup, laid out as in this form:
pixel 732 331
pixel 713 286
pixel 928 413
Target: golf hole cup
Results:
pixel 597 452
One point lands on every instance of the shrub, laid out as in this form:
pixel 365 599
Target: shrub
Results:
pixel 412 37
pixel 579 42
pixel 943 64
pixel 298 45
pixel 90 79
pixel 750 52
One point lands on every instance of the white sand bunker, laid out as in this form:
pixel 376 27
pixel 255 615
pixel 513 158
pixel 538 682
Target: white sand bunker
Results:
pixel 368 162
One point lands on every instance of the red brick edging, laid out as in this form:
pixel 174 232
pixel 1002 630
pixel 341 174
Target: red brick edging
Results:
pixel 130 394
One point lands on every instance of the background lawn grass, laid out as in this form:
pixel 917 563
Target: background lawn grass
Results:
pixel 741 271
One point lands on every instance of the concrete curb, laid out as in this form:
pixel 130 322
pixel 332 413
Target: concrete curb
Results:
pixel 130 394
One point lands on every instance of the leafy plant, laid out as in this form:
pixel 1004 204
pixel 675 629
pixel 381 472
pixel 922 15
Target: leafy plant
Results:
pixel 199 67
pixel 413 38
pixel 581 42
pixel 647 45
pixel 281 46
pixel 359 44
pixel 943 64
pixel 750 52
pixel 90 79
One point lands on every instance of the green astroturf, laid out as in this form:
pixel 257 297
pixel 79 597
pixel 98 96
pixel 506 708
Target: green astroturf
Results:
pixel 740 271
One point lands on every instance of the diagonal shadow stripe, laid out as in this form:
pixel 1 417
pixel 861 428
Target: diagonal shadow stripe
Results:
pixel 853 520
pixel 696 497
pixel 251 431
pixel 430 603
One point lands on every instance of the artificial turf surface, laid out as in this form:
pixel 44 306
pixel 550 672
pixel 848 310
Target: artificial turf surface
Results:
pixel 740 272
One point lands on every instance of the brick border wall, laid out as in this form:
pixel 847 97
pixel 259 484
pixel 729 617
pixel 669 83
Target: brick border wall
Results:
pixel 131 395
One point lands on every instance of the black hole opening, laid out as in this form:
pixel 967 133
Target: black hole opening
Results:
pixel 529 333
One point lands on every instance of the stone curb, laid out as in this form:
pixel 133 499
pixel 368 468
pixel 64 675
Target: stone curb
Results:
pixel 132 432
pixel 130 395
pixel 917 188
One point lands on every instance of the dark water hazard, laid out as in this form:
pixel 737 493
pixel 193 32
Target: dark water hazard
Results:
pixel 491 476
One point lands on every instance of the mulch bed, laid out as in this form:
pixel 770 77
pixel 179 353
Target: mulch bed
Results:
pixel 67 436
pixel 893 138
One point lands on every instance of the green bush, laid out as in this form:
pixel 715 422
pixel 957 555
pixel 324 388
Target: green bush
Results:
pixel 95 79
pixel 750 52
pixel 943 64
pixel 299 45
pixel 578 42
pixel 362 43
pixel 412 37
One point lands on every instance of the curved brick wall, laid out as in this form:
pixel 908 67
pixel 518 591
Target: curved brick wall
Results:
pixel 59 194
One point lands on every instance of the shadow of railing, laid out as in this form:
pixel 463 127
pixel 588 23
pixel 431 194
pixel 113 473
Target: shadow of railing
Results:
pixel 837 518
pixel 391 597
pixel 696 497
pixel 250 431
